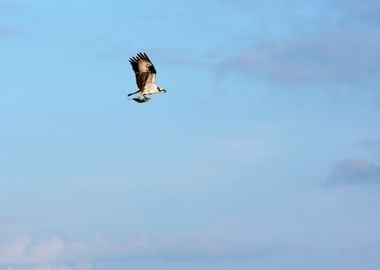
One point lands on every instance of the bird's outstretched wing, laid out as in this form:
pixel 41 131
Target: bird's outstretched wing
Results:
pixel 144 70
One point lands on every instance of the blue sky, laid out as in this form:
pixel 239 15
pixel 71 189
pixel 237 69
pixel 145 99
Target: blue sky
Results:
pixel 264 153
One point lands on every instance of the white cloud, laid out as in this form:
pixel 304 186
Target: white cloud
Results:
pixel 53 266
pixel 56 249
pixel 59 254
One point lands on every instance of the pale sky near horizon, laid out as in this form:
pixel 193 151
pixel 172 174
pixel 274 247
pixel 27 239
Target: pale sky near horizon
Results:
pixel 263 154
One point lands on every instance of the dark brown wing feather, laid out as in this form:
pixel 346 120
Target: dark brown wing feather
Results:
pixel 143 67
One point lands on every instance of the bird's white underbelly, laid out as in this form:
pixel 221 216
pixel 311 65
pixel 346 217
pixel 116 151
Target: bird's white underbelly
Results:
pixel 150 89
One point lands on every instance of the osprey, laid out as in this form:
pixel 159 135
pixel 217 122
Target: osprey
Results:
pixel 145 78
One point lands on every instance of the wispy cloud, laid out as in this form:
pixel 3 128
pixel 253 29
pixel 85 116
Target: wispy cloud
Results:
pixel 52 266
pixel 369 144
pixel 338 56
pixel 6 32
pixel 57 253
pixel 8 7
pixel 9 31
pixel 315 48
pixel 354 171
pixel 366 11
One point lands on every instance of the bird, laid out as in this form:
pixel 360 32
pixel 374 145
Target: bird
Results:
pixel 145 78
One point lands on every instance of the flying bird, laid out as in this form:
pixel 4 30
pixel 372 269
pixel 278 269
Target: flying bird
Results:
pixel 145 78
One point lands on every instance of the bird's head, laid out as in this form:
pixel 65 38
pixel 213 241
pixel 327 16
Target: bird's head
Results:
pixel 160 89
